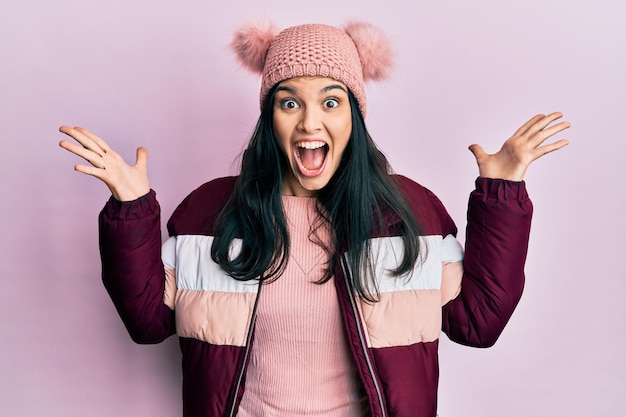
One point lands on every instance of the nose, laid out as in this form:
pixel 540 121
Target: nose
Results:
pixel 310 120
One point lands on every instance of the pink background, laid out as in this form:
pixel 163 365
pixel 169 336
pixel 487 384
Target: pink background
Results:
pixel 159 74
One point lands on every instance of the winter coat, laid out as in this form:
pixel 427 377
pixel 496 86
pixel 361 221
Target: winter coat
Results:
pixel 394 342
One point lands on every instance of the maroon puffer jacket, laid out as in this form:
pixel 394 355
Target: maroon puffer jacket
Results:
pixel 394 342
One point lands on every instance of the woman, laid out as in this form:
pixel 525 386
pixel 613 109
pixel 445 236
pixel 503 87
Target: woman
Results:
pixel 315 283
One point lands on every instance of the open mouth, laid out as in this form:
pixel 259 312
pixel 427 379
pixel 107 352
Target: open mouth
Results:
pixel 311 157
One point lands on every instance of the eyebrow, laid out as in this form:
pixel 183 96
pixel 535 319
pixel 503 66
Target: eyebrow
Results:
pixel 285 88
pixel 332 87
pixel 326 89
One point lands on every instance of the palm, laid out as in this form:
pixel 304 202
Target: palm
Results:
pixel 125 182
pixel 521 149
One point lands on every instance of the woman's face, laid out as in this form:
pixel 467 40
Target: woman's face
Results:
pixel 312 123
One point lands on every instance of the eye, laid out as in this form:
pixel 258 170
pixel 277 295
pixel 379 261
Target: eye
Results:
pixel 331 103
pixel 289 103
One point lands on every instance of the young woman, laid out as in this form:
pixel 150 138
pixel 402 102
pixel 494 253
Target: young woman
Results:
pixel 315 282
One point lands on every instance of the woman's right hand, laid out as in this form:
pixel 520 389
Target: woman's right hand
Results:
pixel 125 182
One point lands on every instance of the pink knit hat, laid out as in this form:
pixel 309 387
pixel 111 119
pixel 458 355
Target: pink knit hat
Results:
pixel 352 56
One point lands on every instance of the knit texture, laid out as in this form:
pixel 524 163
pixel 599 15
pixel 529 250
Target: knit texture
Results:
pixel 300 362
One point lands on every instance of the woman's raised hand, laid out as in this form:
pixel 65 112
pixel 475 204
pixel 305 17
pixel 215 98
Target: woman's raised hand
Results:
pixel 526 145
pixel 125 182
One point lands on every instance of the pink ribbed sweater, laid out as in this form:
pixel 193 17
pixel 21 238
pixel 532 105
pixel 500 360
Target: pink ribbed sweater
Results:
pixel 300 363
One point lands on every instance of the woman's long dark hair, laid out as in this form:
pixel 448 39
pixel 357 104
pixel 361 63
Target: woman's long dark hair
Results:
pixel 355 202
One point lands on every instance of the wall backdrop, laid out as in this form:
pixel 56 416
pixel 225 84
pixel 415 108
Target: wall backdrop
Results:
pixel 159 74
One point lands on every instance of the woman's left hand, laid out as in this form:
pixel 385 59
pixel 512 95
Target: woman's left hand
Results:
pixel 516 154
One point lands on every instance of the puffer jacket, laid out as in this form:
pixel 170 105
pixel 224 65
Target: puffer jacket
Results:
pixel 175 288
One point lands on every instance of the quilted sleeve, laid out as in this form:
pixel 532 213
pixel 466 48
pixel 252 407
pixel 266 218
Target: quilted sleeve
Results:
pixel 132 270
pixel 498 227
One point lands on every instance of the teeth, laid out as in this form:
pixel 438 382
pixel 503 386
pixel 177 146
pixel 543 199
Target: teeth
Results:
pixel 311 145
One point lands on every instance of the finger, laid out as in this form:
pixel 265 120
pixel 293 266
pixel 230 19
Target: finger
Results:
pixel 90 170
pixel 142 158
pixel 551 131
pixel 65 144
pixel 87 139
pixel 551 147
pixel 66 129
pixel 88 155
pixel 83 139
pixel 542 123
pixel 522 130
pixel 74 134
pixel 69 132
pixel 101 143
pixel 478 151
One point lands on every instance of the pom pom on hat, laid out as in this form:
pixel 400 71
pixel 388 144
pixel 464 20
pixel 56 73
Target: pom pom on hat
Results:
pixel 251 44
pixel 374 50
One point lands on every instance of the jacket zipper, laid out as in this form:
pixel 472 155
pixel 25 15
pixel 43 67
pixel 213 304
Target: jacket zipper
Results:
pixel 355 312
pixel 231 413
